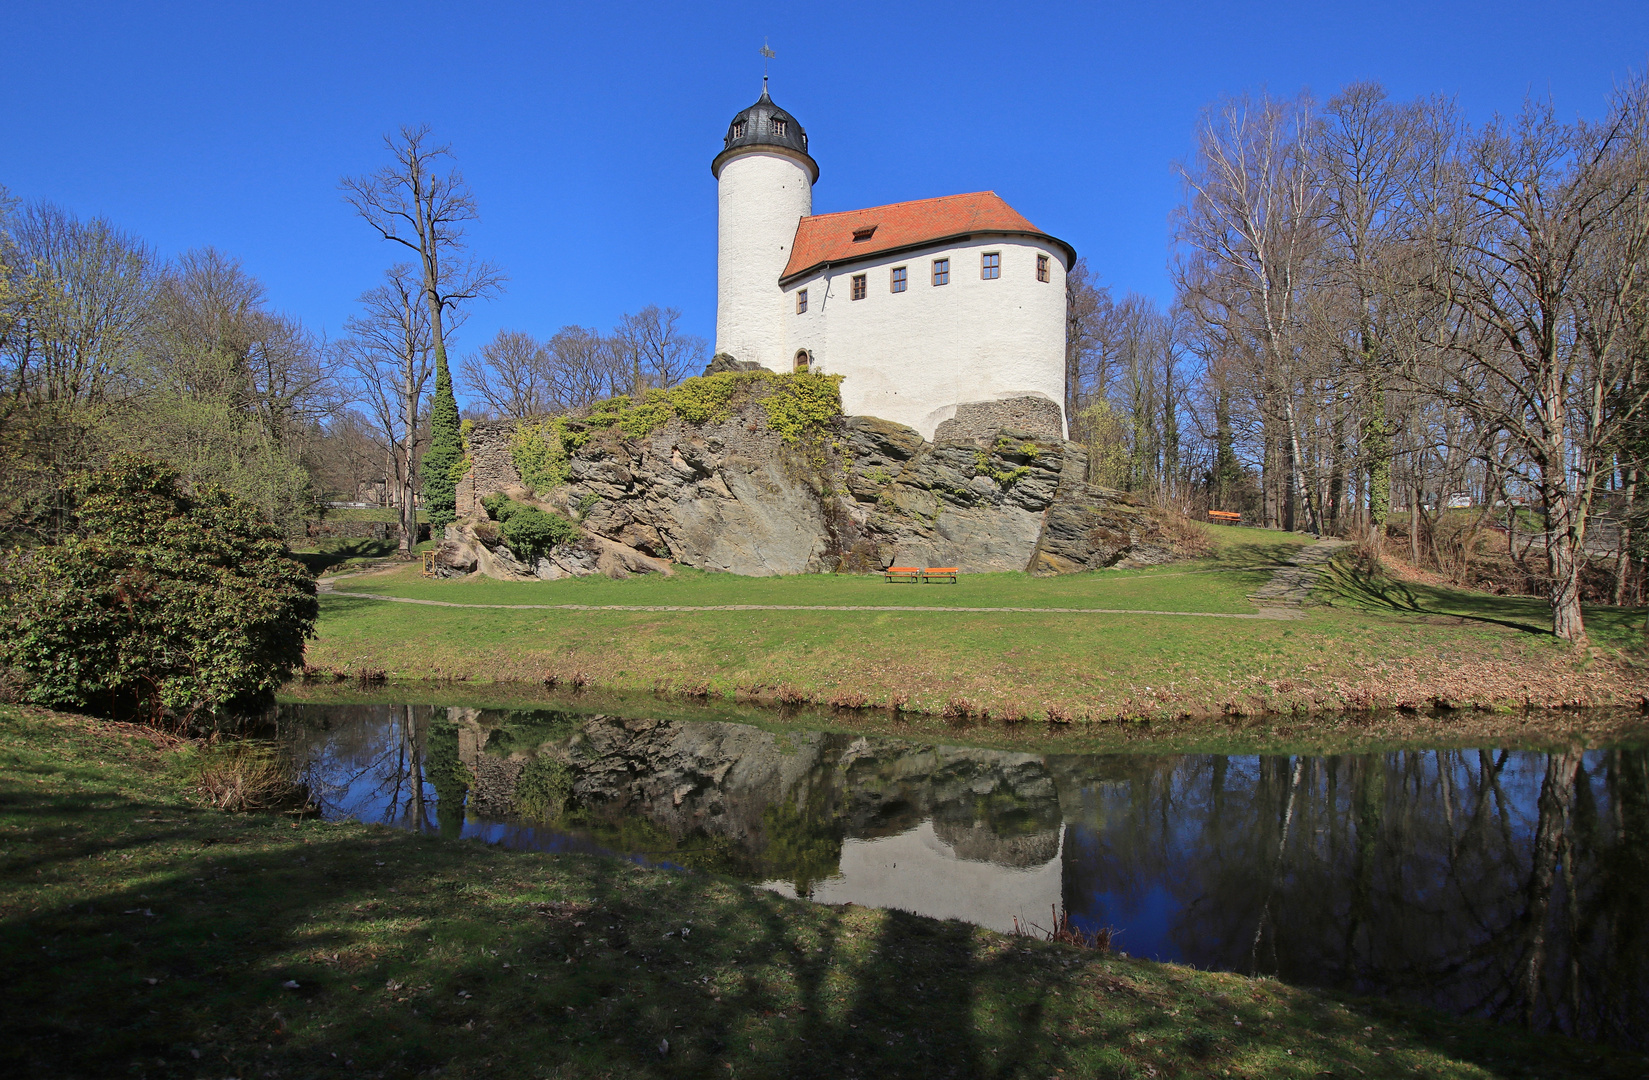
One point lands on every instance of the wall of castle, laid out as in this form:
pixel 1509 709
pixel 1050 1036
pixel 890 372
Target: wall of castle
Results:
pixel 760 198
pixel 915 357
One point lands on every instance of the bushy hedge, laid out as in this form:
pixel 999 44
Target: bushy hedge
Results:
pixel 528 531
pixel 155 601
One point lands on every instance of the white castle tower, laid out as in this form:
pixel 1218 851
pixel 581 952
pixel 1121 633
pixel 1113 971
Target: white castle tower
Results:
pixel 764 186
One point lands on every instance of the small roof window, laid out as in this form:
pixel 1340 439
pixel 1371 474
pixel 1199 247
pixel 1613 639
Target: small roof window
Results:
pixel 863 233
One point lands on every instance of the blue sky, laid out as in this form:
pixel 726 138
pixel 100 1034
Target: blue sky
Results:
pixel 587 130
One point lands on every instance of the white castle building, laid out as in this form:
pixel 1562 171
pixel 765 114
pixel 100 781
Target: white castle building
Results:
pixel 947 309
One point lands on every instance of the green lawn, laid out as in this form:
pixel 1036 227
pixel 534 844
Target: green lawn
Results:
pixel 1371 648
pixel 1218 584
pixel 141 935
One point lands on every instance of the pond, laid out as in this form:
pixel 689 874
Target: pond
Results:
pixel 1512 884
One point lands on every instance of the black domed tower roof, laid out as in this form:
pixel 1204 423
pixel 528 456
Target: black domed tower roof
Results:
pixel 765 127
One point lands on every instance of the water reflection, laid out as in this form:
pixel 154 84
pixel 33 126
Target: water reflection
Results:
pixel 1506 884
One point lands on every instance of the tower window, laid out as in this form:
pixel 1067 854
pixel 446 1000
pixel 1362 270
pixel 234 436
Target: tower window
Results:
pixel 801 301
pixel 858 286
pixel 738 129
pixel 1042 268
pixel 778 127
pixel 941 271
pixel 898 281
pixel 990 265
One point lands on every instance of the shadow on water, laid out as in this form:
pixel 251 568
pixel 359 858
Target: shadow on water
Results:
pixel 1505 884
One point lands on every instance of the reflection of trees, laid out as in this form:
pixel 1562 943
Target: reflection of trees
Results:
pixel 1512 885
pixel 366 761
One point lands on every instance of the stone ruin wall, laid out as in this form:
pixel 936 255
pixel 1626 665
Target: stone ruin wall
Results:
pixel 491 467
pixel 979 421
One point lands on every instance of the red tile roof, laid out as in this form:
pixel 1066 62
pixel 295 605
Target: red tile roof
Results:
pixel 829 238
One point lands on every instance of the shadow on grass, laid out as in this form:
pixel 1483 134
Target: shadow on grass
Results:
pixel 1379 592
pixel 335 553
pixel 1623 627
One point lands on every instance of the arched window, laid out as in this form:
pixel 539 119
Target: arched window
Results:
pixel 804 360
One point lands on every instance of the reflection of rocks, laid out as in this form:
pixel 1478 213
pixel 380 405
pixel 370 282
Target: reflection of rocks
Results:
pixel 721 779
pixel 690 776
pixel 989 805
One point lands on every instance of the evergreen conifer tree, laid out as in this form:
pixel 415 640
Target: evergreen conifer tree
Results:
pixel 445 456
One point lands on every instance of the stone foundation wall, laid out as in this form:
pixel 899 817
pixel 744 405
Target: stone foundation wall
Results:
pixel 979 421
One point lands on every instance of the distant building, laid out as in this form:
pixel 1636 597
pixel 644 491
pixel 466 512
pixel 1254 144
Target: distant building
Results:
pixel 948 309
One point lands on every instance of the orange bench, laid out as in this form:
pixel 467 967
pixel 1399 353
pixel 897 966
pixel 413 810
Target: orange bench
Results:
pixel 940 573
pixel 1226 517
pixel 912 574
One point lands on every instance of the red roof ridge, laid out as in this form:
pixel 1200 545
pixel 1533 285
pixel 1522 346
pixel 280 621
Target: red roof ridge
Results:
pixel 906 202
pixel 823 239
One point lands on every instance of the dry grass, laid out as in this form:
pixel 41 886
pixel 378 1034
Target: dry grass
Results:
pixel 243 775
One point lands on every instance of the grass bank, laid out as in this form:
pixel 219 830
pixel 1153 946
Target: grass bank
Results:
pixel 1366 647
pixel 142 935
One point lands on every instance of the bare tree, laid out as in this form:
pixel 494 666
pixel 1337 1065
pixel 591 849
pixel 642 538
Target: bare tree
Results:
pixel 511 374
pixel 1252 222
pixel 585 367
pixel 653 347
pixel 1541 256
pixel 390 350
pixel 412 203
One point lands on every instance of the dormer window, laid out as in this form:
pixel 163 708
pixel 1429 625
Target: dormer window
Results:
pixel 738 129
pixel 778 128
pixel 864 234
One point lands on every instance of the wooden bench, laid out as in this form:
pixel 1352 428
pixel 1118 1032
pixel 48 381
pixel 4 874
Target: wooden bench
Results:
pixel 1225 517
pixel 911 574
pixel 940 573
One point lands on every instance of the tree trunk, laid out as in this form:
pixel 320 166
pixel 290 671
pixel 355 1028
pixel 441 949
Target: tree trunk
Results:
pixel 1296 472
pixel 409 436
pixel 1565 561
pixel 1415 495
pixel 1623 539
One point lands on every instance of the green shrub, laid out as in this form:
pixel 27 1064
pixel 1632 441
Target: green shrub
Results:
pixel 155 601
pixel 528 531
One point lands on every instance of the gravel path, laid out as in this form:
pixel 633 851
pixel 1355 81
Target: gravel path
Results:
pixel 1272 613
pixel 1289 587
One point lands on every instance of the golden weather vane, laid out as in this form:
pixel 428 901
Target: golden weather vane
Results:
pixel 767 54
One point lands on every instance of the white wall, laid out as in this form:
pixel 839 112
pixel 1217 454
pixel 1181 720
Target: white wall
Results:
pixel 760 198
pixel 912 357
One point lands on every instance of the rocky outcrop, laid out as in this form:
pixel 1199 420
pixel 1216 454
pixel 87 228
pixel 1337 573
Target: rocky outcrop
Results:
pixel 860 495
pixel 472 546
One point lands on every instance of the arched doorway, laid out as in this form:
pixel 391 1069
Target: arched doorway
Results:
pixel 804 361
